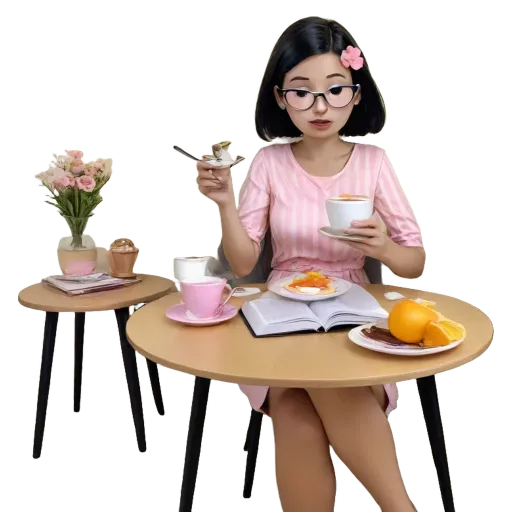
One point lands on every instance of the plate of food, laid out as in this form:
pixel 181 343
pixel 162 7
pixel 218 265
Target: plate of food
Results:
pixel 311 286
pixel 378 337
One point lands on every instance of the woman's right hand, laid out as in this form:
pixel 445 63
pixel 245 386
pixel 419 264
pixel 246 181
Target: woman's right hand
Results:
pixel 215 183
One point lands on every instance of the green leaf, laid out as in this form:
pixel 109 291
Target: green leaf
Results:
pixel 76 198
pixel 83 203
pixel 70 208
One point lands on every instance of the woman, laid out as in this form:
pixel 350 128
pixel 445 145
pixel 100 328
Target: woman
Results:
pixel 317 86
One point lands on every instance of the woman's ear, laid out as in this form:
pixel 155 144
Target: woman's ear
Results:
pixel 278 99
pixel 358 97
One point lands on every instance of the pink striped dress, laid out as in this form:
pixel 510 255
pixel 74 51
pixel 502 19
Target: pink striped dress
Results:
pixel 278 193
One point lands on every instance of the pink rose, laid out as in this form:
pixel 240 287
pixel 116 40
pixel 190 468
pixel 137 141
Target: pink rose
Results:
pixel 75 154
pixel 77 166
pixel 62 182
pixel 72 182
pixel 85 183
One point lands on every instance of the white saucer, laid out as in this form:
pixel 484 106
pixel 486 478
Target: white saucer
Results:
pixel 340 235
pixel 358 338
pixel 180 313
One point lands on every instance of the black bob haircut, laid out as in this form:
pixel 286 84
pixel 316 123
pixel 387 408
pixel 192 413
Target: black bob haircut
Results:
pixel 305 38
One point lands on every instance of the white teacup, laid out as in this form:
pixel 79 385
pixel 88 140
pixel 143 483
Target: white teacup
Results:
pixel 191 267
pixel 342 211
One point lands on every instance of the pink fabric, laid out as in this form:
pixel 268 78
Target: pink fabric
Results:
pixel 278 193
pixel 79 268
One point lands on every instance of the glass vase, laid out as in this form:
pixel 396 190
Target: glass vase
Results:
pixel 77 253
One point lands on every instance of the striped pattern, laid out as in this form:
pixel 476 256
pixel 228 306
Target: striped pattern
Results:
pixel 278 193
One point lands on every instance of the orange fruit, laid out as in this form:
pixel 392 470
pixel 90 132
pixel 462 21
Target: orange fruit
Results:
pixel 408 320
pixel 426 303
pixel 444 332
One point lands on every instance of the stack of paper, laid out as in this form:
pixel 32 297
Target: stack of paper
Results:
pixel 78 285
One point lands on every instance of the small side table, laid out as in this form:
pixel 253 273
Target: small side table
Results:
pixel 43 297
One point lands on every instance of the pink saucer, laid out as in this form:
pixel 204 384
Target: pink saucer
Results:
pixel 178 313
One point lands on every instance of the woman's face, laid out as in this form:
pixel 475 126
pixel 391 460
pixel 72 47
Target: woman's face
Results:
pixel 319 74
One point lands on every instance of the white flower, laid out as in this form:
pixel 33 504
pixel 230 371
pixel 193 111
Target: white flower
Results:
pixel 107 169
pixel 105 166
pixel 51 175
pixel 63 162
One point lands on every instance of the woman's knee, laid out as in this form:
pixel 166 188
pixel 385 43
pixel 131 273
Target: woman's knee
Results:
pixel 349 395
pixel 292 412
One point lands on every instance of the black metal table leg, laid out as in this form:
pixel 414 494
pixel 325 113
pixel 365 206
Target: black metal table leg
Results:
pixel 79 354
pixel 248 435
pixel 195 437
pixel 155 386
pixel 50 332
pixel 154 378
pixel 252 452
pixel 132 377
pixel 430 404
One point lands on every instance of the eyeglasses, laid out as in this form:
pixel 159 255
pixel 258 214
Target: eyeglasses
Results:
pixel 338 96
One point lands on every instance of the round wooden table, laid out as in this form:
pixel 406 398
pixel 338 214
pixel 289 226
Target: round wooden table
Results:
pixel 43 297
pixel 229 352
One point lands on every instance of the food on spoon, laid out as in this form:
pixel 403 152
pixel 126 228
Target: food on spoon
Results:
pixel 313 283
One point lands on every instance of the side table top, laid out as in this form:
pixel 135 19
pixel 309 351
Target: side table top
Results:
pixel 43 297
pixel 228 352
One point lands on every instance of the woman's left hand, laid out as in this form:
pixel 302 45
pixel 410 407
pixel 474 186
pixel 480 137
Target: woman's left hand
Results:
pixel 377 242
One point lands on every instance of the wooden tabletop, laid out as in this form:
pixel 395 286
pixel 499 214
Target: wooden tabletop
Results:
pixel 228 352
pixel 43 297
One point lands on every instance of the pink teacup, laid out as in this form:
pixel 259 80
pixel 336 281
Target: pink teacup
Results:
pixel 203 295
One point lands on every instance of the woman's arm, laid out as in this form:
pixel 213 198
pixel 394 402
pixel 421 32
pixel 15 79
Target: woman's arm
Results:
pixel 407 262
pixel 404 261
pixel 400 248
pixel 241 252
pixel 244 229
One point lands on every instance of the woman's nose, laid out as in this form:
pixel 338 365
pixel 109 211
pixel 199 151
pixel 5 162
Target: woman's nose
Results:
pixel 320 106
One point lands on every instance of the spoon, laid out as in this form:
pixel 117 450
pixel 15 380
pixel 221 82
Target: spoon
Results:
pixel 183 152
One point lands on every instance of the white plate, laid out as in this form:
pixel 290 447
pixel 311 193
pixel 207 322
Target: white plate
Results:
pixel 340 285
pixel 339 235
pixel 359 339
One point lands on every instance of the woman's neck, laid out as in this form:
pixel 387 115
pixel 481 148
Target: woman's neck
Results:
pixel 323 149
pixel 322 157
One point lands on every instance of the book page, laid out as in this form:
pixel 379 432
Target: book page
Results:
pixel 356 302
pixel 273 312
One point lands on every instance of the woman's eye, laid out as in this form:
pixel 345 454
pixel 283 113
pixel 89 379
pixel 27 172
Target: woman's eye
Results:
pixel 302 94
pixel 336 90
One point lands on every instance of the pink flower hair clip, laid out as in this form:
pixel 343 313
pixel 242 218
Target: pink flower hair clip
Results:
pixel 351 58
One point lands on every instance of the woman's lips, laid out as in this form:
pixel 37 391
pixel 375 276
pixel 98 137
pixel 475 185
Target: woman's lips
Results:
pixel 321 124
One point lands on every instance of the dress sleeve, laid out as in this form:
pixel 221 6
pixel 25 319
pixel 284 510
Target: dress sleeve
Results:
pixel 394 208
pixel 254 200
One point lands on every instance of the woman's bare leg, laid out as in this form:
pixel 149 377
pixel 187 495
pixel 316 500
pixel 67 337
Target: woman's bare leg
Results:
pixel 305 474
pixel 359 432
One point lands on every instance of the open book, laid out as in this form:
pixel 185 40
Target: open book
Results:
pixel 273 315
